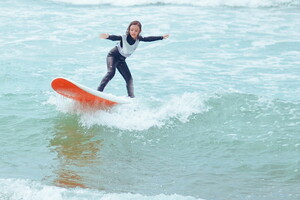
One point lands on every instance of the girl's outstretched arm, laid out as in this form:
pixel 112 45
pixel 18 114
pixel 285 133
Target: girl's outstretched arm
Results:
pixel 153 38
pixel 110 37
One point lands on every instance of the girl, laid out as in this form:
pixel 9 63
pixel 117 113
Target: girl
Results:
pixel 117 56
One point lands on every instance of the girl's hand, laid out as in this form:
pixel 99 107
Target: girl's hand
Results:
pixel 166 36
pixel 104 35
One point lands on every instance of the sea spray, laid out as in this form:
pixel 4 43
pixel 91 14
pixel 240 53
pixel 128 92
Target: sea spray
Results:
pixel 16 189
pixel 138 115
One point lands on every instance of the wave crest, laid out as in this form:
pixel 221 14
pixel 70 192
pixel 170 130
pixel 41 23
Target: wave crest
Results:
pixel 11 189
pixel 203 3
pixel 139 115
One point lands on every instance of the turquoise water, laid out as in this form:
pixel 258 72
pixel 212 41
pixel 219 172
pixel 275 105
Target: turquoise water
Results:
pixel 216 114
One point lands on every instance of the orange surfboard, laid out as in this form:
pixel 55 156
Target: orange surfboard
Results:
pixel 85 95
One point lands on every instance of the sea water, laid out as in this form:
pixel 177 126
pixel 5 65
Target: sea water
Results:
pixel 216 114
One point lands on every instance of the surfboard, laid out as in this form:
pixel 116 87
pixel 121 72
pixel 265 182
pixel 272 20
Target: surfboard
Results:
pixel 85 95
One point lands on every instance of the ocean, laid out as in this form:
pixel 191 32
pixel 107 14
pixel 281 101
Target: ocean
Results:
pixel 216 114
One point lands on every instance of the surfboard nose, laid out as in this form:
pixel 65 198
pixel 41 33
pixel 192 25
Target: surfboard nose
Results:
pixel 84 95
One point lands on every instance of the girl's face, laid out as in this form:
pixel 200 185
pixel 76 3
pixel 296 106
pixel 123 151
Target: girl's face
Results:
pixel 134 31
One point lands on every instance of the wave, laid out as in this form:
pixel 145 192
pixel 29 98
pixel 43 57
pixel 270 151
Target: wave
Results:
pixel 143 114
pixel 203 3
pixel 140 114
pixel 13 189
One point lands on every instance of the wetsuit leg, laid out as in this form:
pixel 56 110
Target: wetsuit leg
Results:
pixel 111 70
pixel 125 72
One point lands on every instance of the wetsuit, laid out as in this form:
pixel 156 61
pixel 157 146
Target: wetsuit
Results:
pixel 117 56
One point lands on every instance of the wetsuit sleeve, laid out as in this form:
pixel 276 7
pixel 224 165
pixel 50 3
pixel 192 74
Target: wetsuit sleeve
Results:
pixel 150 38
pixel 114 37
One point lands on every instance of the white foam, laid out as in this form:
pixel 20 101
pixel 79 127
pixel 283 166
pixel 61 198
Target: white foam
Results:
pixel 142 115
pixel 62 104
pixel 16 189
pixel 234 3
pixel 139 114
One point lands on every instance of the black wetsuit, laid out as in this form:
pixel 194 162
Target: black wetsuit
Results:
pixel 116 60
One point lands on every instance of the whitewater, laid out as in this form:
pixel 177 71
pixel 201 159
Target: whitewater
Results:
pixel 216 114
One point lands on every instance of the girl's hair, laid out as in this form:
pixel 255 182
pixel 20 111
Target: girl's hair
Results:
pixel 134 23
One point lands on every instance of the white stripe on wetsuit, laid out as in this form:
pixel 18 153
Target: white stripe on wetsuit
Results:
pixel 127 49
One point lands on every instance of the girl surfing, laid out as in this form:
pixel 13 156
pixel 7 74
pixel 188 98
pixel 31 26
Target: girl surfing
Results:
pixel 117 56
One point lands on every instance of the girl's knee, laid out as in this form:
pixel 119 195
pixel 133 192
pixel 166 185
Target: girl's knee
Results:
pixel 129 79
pixel 110 75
